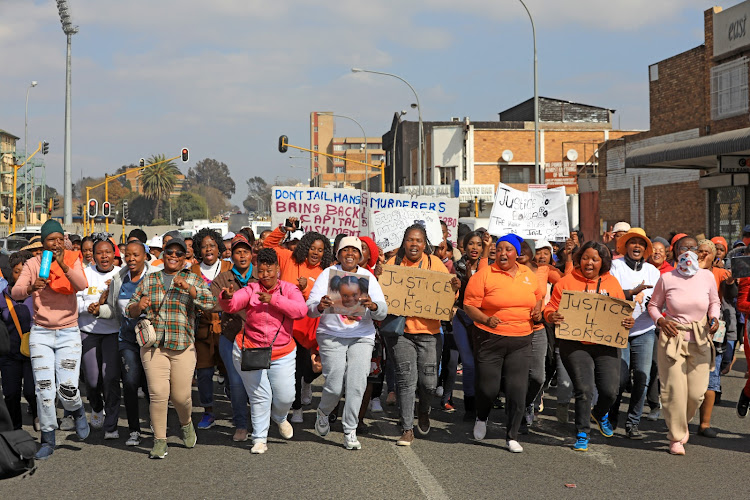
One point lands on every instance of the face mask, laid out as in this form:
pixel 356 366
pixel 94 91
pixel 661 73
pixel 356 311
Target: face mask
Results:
pixel 687 264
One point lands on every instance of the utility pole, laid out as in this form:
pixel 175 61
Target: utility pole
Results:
pixel 69 30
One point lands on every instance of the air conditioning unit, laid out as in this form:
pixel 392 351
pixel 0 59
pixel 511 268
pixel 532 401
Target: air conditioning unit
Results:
pixel 455 119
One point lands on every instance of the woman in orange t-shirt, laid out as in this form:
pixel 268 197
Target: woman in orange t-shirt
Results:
pixel 415 353
pixel 301 267
pixel 504 300
pixel 590 365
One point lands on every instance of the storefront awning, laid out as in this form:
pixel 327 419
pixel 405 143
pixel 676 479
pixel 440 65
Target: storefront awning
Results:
pixel 699 153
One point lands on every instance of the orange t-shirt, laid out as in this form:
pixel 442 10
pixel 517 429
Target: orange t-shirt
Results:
pixel 422 325
pixel 510 298
pixel 290 270
pixel 720 275
pixel 577 282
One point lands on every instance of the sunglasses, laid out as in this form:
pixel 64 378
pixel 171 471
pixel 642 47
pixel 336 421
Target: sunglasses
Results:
pixel 685 249
pixel 177 253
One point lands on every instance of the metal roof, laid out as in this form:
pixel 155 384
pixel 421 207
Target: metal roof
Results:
pixel 699 153
pixel 8 133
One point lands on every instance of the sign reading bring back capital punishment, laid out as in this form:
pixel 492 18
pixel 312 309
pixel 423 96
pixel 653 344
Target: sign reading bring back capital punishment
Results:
pixel 595 318
pixel 536 215
pixel 326 211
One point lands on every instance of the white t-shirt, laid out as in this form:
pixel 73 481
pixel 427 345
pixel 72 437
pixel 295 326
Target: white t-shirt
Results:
pixel 629 279
pixel 211 272
pixel 87 322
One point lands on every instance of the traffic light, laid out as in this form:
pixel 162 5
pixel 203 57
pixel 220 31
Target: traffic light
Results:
pixel 45 147
pixel 80 210
pixel 283 144
pixel 6 212
pixel 106 209
pixel 56 203
pixel 184 154
pixel 49 208
pixel 142 162
pixel 93 208
pixel 124 210
pixel 481 205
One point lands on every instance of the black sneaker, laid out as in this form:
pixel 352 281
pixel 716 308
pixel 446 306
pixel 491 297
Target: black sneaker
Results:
pixel 742 404
pixel 633 432
pixel 423 424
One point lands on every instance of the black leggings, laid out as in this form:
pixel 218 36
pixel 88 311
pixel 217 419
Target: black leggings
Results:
pixel 505 361
pixel 303 371
pixel 589 366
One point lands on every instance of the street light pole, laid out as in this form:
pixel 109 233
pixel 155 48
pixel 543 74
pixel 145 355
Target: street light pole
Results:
pixel 537 171
pixel 393 154
pixel 69 30
pixel 25 153
pixel 367 170
pixel 420 151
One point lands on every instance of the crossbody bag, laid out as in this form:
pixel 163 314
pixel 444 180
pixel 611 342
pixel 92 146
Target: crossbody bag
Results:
pixel 258 358
pixel 145 332
pixel 25 350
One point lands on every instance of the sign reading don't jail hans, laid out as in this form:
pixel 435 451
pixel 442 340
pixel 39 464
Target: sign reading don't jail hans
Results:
pixel 595 318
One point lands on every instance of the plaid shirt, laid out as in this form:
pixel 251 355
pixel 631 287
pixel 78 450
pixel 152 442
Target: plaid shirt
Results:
pixel 175 320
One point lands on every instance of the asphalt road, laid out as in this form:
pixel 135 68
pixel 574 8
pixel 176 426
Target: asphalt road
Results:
pixel 447 464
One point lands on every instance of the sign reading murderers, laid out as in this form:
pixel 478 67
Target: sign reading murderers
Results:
pixel 389 226
pixel 445 208
pixel 411 291
pixel 535 215
pixel 327 211
pixel 595 318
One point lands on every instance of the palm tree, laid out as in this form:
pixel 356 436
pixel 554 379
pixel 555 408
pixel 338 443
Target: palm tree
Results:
pixel 159 180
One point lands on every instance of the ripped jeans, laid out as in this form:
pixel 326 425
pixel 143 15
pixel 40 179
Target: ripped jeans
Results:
pixel 56 362
pixel 415 357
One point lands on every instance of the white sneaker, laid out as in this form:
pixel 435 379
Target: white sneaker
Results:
pixel 439 391
pixel 297 416
pixel 97 419
pixel 141 394
pixel 259 448
pixel 322 425
pixel 480 429
pixel 514 446
pixel 134 439
pixel 351 442
pixel 112 435
pixel 306 393
pixel 375 406
pixel 286 430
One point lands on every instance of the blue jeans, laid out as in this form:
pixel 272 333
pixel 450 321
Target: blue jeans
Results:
pixel 714 377
pixel 56 361
pixel 271 392
pixel 237 393
pixel 133 377
pixel 461 324
pixel 636 355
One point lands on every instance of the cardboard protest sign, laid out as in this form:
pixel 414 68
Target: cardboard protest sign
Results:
pixel 412 291
pixel 345 290
pixel 592 317
pixel 537 214
pixel 389 226
pixel 445 208
pixel 327 211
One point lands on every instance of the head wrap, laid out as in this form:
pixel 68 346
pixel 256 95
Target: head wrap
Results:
pixel 719 240
pixel 51 226
pixel 513 239
pixel 677 237
pixel 710 245
pixel 661 240
pixel 373 247
pixel 687 264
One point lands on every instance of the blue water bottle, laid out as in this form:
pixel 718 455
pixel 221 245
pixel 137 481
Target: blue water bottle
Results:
pixel 46 263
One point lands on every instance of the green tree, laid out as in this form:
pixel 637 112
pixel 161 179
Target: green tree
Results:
pixel 215 200
pixel 257 188
pixel 158 181
pixel 213 173
pixel 140 210
pixel 189 206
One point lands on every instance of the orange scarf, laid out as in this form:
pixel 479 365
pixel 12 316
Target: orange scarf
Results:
pixel 58 282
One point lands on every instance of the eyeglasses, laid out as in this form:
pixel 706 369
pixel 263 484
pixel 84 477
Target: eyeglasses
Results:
pixel 177 253
pixel 685 249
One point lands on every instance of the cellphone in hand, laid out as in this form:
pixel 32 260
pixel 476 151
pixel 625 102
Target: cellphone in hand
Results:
pixel 288 223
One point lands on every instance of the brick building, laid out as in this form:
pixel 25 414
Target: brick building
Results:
pixel 691 171
pixel 337 172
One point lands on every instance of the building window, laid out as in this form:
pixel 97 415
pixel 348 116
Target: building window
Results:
pixel 315 129
pixel 338 147
pixel 339 170
pixel 516 175
pixel 653 72
pixel 729 89
pixel 315 147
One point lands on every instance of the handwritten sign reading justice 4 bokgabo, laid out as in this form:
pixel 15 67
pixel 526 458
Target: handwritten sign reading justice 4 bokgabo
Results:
pixel 595 318
pixel 411 291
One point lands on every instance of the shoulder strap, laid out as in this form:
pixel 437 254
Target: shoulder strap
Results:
pixel 283 318
pixel 166 292
pixel 13 315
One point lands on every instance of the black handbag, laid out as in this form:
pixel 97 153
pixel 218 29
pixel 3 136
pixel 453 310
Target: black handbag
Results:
pixel 392 326
pixel 17 449
pixel 258 358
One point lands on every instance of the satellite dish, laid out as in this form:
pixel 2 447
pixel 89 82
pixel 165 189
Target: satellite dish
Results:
pixel 507 155
pixel 572 154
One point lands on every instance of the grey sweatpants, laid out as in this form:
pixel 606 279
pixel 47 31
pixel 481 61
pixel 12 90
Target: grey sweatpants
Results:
pixel 346 363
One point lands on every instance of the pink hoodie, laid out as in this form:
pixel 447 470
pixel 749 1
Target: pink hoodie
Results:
pixel 264 320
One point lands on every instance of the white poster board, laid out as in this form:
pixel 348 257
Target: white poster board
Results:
pixel 389 225
pixel 535 215
pixel 326 211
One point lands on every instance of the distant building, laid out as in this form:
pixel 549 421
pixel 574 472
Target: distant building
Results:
pixel 337 172
pixel 7 160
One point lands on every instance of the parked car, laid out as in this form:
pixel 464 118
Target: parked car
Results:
pixel 12 244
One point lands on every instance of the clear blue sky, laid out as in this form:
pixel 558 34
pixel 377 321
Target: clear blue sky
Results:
pixel 227 77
